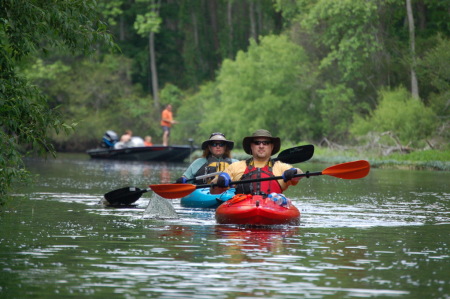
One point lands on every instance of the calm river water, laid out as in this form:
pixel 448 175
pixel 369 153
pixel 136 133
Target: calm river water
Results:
pixel 386 235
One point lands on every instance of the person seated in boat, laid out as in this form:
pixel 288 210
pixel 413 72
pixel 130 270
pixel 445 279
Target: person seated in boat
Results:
pixel 261 145
pixel 124 140
pixel 148 141
pixel 126 137
pixel 215 158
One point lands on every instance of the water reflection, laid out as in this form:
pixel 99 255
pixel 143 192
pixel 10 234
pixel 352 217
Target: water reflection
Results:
pixel 382 236
pixel 243 239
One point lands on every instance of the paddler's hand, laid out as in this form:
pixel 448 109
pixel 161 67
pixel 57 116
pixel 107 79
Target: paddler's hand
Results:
pixel 181 180
pixel 223 180
pixel 289 174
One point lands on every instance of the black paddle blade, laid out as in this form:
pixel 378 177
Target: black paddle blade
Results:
pixel 296 154
pixel 124 196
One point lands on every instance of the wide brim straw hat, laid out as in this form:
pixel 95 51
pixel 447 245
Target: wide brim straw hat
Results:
pixel 246 143
pixel 218 137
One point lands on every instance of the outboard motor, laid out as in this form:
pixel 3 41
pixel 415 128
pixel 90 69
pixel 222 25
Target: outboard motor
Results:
pixel 109 139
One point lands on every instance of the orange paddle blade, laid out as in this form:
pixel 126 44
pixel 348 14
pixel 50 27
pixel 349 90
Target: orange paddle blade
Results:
pixel 349 170
pixel 172 191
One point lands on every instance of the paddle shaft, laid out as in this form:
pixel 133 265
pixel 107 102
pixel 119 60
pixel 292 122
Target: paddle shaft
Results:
pixel 306 174
pixel 204 176
pixel 349 171
pixel 293 155
pixel 131 194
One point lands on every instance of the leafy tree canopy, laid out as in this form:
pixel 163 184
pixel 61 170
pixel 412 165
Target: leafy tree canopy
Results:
pixel 399 113
pixel 266 87
pixel 27 27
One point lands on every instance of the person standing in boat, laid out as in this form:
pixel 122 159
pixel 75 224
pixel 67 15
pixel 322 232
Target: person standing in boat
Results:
pixel 215 158
pixel 166 123
pixel 261 145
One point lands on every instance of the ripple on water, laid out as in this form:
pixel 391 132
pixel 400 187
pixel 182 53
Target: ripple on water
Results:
pixel 367 212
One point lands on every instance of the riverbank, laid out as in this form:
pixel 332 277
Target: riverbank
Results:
pixel 418 160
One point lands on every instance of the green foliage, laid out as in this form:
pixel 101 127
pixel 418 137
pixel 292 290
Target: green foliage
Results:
pixel 420 159
pixel 111 9
pixel 406 117
pixel 347 31
pixel 434 71
pixel 25 116
pixel 149 22
pixel 193 111
pixel 93 91
pixel 171 94
pixel 25 119
pixel 266 87
pixel 336 110
pixel 422 156
pixel 330 64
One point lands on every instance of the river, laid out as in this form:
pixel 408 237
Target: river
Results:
pixel 383 236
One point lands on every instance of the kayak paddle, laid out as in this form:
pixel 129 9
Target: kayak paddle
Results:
pixel 296 154
pixel 128 195
pixel 349 171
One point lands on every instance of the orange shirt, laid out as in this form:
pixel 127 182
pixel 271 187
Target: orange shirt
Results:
pixel 166 118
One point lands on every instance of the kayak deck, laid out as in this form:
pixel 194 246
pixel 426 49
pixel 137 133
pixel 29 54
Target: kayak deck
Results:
pixel 202 198
pixel 256 210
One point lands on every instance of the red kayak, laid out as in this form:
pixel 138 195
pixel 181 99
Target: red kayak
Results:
pixel 256 210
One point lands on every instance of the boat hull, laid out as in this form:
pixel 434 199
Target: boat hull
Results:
pixel 202 198
pixel 145 153
pixel 256 210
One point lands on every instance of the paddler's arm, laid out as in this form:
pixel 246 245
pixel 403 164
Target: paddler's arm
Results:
pixel 224 178
pixel 287 171
pixel 234 171
pixel 190 172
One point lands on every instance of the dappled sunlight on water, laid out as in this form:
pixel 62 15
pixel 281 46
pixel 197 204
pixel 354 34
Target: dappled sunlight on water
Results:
pixel 368 212
pixel 383 236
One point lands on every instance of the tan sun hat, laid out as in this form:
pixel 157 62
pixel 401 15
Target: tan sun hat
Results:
pixel 218 137
pixel 261 133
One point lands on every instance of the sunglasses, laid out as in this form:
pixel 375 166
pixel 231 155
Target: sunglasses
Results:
pixel 214 144
pixel 258 142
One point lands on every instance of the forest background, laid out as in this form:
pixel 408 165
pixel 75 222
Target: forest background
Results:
pixel 374 74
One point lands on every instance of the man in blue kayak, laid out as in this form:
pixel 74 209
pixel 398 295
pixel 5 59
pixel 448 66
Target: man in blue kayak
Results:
pixel 215 158
pixel 261 145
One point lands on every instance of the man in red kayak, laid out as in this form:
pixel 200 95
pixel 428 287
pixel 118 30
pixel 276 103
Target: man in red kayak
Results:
pixel 261 145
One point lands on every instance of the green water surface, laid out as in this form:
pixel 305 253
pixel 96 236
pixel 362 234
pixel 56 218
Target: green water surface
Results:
pixel 383 236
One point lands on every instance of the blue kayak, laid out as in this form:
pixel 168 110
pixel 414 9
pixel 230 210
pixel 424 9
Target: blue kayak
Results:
pixel 202 198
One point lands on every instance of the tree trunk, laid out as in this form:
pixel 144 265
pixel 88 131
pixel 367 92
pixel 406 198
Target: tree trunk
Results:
pixel 414 84
pixel 121 28
pixel 214 28
pixel 252 21
pixel 260 22
pixel 421 14
pixel 153 70
pixel 230 26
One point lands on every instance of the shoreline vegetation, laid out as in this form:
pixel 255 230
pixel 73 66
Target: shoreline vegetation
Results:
pixel 419 160
pixel 437 160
